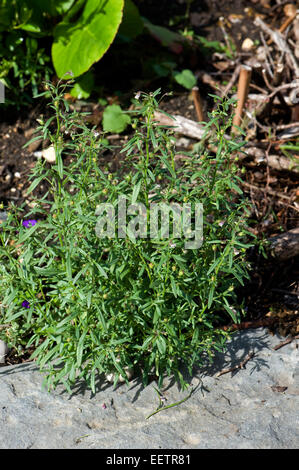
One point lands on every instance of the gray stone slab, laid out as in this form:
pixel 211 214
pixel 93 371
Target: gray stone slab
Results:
pixel 238 410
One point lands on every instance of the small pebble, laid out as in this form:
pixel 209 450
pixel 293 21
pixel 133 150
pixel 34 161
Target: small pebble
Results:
pixel 247 45
pixel 3 351
pixel 48 154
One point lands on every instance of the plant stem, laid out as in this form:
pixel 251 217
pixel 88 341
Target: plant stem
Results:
pixel 172 405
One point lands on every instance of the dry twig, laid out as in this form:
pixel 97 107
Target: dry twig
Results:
pixel 285 245
pixel 238 366
pixel 281 43
pixel 181 125
pixel 272 193
pixel 198 104
pixel 291 14
pixel 287 341
pixel 243 87
pixel 232 81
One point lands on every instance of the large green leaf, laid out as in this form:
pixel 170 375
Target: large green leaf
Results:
pixel 132 24
pixel 79 44
pixel 83 86
pixel 57 7
pixel 164 35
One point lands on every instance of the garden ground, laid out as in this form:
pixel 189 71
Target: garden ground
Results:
pixel 273 290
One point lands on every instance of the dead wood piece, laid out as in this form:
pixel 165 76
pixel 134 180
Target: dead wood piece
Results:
pixel 280 42
pixel 287 126
pixel 287 341
pixel 296 35
pixel 285 24
pixel 181 125
pixel 267 190
pixel 243 87
pixel 281 197
pixel 278 162
pixel 209 80
pixel 258 97
pixel 232 81
pixel 285 245
pixel 289 132
pixel 282 163
pixel 238 366
pixel 198 104
pixel 265 109
pixel 293 84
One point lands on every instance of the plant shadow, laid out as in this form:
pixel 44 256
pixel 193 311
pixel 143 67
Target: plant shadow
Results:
pixel 237 350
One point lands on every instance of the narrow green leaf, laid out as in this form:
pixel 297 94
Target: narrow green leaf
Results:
pixel 211 296
pixel 136 191
pixel 161 343
pixel 80 348
pixel 68 266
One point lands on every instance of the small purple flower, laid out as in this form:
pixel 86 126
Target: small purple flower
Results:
pixel 25 304
pixel 29 223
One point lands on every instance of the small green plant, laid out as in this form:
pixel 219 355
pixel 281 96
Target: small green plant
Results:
pixel 23 67
pixel 115 119
pixel 91 305
pixel 185 78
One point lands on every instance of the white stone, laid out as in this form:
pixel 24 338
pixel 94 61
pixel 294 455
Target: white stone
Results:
pixel 3 351
pixel 247 45
pixel 48 154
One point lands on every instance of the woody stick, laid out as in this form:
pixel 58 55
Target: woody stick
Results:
pixel 197 103
pixel 243 86
pixel 291 12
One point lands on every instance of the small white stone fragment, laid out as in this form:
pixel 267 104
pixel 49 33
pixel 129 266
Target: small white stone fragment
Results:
pixel 48 154
pixel 247 45
pixel 3 351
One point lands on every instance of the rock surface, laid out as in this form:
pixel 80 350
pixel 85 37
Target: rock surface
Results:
pixel 254 407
